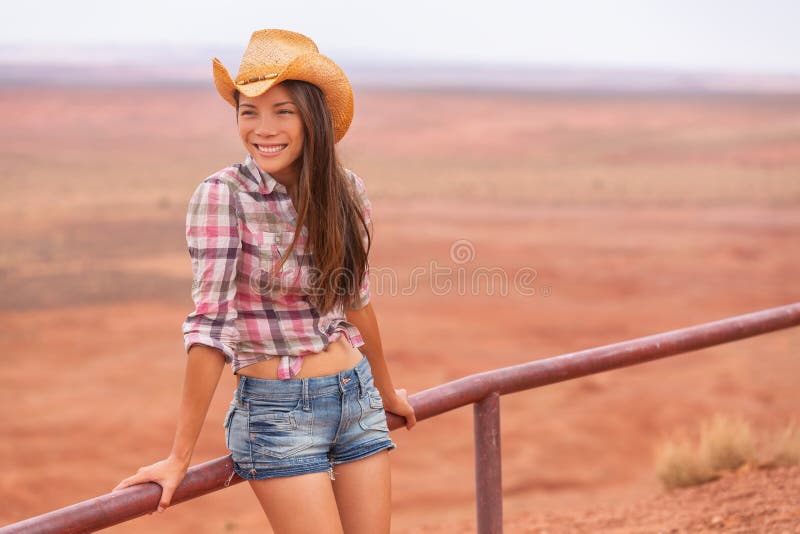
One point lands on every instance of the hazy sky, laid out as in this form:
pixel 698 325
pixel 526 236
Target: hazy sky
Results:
pixel 733 35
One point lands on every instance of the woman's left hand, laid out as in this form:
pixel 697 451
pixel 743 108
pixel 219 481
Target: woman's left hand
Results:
pixel 399 405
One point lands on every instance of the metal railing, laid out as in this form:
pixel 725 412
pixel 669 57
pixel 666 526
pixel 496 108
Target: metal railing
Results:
pixel 481 389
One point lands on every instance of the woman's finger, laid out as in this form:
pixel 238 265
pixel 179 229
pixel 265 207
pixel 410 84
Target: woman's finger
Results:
pixel 411 419
pixel 167 491
pixel 141 476
pixel 130 481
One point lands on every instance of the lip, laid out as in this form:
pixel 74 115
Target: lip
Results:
pixel 270 145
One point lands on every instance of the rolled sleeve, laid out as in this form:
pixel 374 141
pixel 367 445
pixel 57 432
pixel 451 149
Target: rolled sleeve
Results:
pixel 212 235
pixel 361 190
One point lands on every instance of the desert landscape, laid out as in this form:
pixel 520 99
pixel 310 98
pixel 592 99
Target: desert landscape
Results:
pixel 638 214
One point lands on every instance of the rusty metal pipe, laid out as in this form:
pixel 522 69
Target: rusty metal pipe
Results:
pixel 488 474
pixel 472 388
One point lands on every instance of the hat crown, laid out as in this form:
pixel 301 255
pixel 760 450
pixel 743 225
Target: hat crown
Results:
pixel 269 51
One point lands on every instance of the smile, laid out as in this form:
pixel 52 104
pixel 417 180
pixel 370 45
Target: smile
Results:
pixel 270 149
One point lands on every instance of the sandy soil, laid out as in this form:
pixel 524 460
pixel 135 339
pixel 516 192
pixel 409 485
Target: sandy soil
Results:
pixel 742 502
pixel 638 215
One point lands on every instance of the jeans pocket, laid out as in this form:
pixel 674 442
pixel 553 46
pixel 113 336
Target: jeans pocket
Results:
pixel 373 417
pixel 278 430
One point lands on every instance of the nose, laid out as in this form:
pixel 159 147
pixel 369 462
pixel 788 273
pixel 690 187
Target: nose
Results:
pixel 266 127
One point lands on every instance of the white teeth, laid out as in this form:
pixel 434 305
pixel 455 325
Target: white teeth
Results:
pixel 271 149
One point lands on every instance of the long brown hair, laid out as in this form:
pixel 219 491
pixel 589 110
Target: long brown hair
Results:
pixel 329 205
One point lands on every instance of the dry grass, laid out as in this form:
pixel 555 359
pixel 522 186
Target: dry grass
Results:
pixel 787 448
pixel 725 444
pixel 678 465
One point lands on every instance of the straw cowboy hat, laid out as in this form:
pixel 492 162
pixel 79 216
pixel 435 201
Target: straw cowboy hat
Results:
pixel 273 56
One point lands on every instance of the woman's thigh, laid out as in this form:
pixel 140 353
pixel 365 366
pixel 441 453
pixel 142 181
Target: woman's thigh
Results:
pixel 367 480
pixel 299 504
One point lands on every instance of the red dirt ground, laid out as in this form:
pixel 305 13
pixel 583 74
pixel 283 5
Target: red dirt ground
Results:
pixel 639 214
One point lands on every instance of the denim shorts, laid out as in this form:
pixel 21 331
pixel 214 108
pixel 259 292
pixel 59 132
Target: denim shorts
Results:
pixel 278 428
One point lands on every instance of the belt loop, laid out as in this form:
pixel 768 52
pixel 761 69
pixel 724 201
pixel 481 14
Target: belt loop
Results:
pixel 306 404
pixel 362 387
pixel 240 389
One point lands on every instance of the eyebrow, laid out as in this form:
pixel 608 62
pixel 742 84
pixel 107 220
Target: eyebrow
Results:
pixel 273 105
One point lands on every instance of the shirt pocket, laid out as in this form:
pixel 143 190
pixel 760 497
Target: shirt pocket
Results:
pixel 271 247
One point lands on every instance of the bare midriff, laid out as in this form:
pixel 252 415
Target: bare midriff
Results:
pixel 337 356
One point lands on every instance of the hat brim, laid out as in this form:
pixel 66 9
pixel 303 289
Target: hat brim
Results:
pixel 314 68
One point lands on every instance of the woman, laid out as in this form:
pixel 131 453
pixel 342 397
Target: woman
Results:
pixel 279 247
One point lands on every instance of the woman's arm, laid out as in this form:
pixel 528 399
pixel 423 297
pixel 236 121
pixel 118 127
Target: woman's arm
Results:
pixel 209 332
pixel 203 370
pixel 394 400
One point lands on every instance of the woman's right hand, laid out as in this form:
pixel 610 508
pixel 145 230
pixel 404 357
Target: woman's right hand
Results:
pixel 167 473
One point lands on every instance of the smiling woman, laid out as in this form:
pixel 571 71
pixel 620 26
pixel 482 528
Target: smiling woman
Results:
pixel 272 131
pixel 279 246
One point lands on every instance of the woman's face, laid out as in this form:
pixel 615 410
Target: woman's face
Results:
pixel 272 131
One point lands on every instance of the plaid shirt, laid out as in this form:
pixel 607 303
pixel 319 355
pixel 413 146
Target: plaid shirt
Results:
pixel 239 223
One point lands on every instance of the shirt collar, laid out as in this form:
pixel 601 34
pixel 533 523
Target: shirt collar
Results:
pixel 266 181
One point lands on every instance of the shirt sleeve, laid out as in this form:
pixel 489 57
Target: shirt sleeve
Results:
pixel 212 235
pixel 363 291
